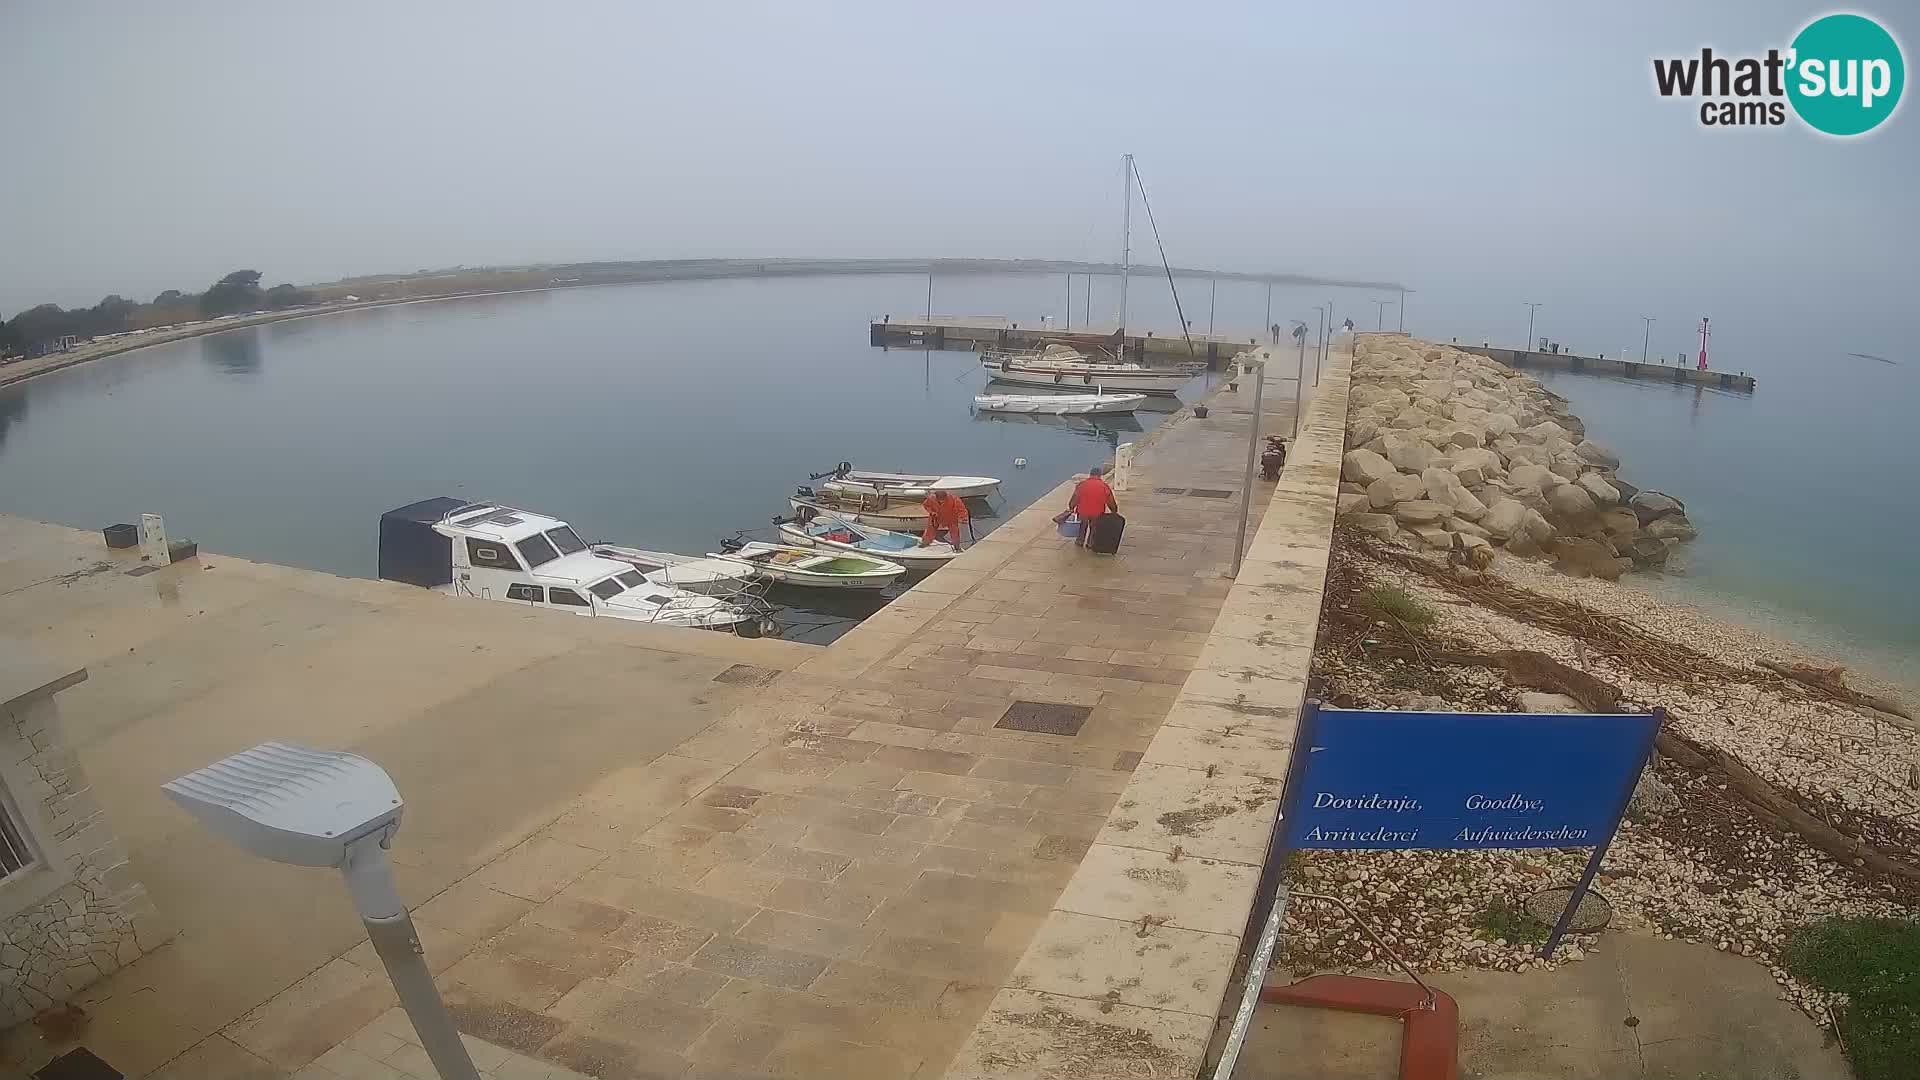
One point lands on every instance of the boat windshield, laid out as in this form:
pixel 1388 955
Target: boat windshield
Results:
pixel 607 589
pixel 632 579
pixel 537 550
pixel 566 540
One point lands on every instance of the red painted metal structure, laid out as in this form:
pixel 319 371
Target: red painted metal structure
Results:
pixel 1430 1039
pixel 1703 344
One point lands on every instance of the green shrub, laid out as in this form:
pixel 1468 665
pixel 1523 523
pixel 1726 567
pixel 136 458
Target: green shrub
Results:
pixel 1397 604
pixel 1876 963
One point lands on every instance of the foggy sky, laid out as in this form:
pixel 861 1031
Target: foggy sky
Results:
pixel 1484 154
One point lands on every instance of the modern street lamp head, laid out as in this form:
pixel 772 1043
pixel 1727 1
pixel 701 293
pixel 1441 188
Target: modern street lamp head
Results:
pixel 291 804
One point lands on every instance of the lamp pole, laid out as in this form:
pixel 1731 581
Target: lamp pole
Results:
pixel 1527 346
pixel 1253 442
pixel 1299 373
pixel 1403 311
pixel 1212 293
pixel 1380 314
pixel 929 296
pixel 1645 335
pixel 1319 341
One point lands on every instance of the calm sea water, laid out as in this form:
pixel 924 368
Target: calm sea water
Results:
pixel 664 416
pixel 670 415
pixel 1804 493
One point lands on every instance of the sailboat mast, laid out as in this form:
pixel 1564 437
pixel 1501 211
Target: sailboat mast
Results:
pixel 1126 234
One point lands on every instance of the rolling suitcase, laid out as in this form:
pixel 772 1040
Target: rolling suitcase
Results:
pixel 1106 533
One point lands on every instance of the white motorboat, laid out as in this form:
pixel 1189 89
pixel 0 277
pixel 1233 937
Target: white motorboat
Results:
pixel 830 530
pixel 847 480
pixel 1063 367
pixel 812 567
pixel 881 510
pixel 495 552
pixel 711 575
pixel 1097 404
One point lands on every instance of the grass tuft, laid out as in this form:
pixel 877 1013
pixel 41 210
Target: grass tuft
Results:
pixel 1876 963
pixel 1398 605
pixel 1503 920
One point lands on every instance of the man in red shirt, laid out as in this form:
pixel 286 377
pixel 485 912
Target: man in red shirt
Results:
pixel 945 512
pixel 1091 498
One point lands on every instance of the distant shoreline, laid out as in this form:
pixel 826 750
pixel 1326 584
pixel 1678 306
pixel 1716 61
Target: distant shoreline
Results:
pixel 595 275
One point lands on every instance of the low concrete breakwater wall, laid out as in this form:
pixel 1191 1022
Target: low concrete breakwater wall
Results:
pixel 1626 369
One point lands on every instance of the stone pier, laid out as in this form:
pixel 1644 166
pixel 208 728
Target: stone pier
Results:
pixel 685 855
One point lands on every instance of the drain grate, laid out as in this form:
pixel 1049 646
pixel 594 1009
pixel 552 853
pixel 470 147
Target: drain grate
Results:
pixel 80 1064
pixel 1210 493
pixel 1044 717
pixel 141 570
pixel 1169 491
pixel 747 675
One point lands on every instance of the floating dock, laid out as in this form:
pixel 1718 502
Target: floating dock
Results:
pixel 941 331
pixel 1626 369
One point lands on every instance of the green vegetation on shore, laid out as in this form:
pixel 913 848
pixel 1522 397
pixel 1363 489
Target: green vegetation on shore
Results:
pixel 39 328
pixel 1876 963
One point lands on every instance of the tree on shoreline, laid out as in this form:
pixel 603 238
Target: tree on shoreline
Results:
pixel 43 327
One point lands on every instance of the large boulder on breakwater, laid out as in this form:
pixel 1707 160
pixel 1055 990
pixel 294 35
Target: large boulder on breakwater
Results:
pixel 1653 505
pixel 1504 518
pixel 1571 502
pixel 1604 494
pixel 1397 488
pixel 1365 466
pixel 1673 527
pixel 1421 512
pixel 1597 454
pixel 1445 488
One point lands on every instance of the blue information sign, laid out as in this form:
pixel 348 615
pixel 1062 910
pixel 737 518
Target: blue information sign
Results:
pixel 1375 779
pixel 1464 780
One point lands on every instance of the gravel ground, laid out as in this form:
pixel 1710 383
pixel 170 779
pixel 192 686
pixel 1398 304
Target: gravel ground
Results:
pixel 1697 868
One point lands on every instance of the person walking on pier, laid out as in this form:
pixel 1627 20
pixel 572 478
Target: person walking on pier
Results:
pixel 945 512
pixel 1091 498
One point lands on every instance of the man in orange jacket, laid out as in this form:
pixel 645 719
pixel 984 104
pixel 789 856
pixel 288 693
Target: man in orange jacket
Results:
pixel 945 512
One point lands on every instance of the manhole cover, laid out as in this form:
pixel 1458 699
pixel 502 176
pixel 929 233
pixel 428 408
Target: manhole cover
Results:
pixel 1169 491
pixel 1210 493
pixel 141 570
pixel 1594 912
pixel 747 675
pixel 78 1064
pixel 1044 717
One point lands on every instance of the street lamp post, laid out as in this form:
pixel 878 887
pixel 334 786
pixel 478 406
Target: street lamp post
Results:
pixel 1527 346
pixel 1403 310
pixel 1253 442
pixel 1380 314
pixel 1645 336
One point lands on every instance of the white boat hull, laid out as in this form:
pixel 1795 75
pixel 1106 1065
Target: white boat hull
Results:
pixel 908 485
pixel 931 557
pixel 797 565
pixel 905 514
pixel 1133 382
pixel 1060 404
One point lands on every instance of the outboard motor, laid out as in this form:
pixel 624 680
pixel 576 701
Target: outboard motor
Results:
pixel 1273 458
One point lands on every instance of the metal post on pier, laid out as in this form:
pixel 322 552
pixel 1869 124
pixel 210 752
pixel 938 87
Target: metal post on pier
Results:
pixel 1645 336
pixel 1299 374
pixel 1268 321
pixel 1527 346
pixel 929 296
pixel 1212 292
pixel 1068 325
pixel 1319 342
pixel 1253 443
pixel 1403 311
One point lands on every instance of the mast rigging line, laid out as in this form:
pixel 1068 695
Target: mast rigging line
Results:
pixel 1168 267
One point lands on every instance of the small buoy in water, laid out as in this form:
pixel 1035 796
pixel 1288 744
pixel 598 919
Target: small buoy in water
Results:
pixel 1019 463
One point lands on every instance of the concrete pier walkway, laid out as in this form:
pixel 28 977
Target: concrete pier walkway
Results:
pixel 627 858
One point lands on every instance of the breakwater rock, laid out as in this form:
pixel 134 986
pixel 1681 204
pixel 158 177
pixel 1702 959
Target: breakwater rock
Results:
pixel 1456 451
